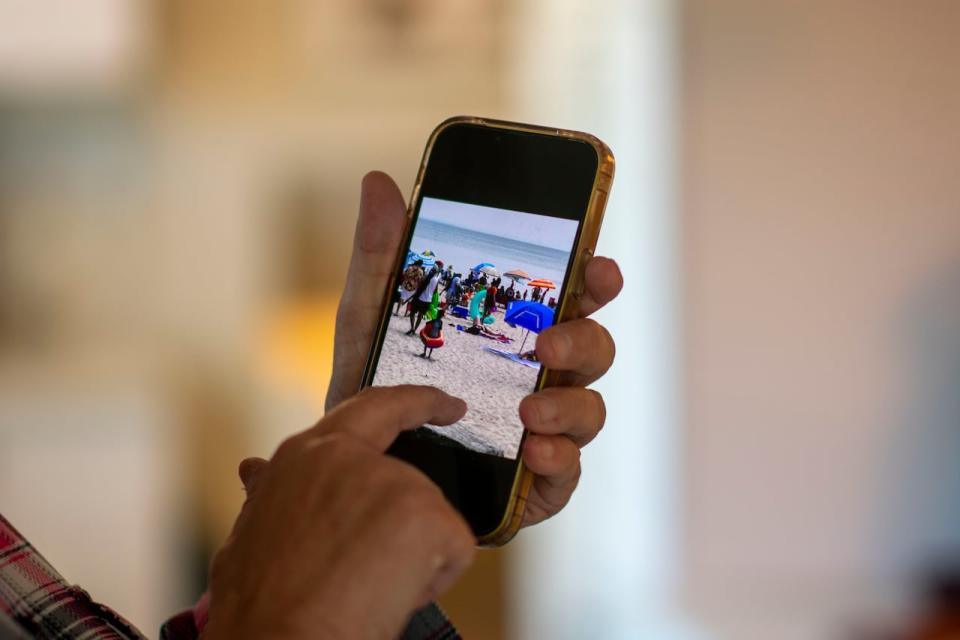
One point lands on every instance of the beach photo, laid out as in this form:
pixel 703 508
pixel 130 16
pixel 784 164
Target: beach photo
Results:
pixel 477 287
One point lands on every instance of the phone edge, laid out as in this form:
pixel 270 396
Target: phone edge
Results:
pixel 568 305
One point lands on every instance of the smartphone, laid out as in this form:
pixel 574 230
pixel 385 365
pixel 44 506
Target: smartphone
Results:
pixel 502 221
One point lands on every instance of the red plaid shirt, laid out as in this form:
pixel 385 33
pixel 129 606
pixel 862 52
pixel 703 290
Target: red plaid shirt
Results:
pixel 36 602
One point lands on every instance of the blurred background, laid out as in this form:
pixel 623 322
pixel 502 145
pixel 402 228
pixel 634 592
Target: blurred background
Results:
pixel 178 187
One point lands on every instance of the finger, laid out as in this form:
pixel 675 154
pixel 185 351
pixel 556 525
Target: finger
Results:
pixel 602 283
pixel 250 471
pixel 583 349
pixel 555 463
pixel 573 412
pixel 379 231
pixel 456 557
pixel 377 415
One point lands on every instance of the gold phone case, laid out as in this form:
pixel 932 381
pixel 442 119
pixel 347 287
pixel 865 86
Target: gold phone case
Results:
pixel 568 307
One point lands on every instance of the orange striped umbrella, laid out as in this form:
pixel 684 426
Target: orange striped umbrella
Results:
pixel 541 283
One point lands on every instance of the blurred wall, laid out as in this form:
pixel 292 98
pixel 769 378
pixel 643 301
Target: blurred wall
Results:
pixel 178 188
pixel 821 242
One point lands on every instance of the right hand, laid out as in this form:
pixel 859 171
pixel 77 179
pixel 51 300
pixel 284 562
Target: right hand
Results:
pixel 337 539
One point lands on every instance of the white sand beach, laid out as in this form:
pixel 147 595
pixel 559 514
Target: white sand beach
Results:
pixel 491 385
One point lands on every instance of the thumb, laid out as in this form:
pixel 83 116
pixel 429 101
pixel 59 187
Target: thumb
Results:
pixel 250 471
pixel 380 226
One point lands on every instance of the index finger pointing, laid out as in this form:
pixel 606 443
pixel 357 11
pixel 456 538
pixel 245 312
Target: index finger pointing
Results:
pixel 377 415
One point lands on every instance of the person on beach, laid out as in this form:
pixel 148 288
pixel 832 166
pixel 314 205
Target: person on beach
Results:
pixel 524 295
pixel 336 538
pixel 423 297
pixel 490 304
pixel 453 291
pixel 432 335
pixel 447 275
pixel 412 276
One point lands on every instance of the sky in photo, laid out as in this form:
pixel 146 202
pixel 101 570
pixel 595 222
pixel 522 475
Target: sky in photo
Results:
pixel 556 233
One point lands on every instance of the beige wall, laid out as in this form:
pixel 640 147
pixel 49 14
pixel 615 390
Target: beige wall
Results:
pixel 174 232
pixel 821 252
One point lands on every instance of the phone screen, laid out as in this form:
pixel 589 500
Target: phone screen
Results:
pixel 477 286
pixel 497 225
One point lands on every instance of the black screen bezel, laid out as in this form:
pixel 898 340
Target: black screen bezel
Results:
pixel 505 169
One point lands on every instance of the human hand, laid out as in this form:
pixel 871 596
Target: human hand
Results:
pixel 560 419
pixel 564 418
pixel 336 538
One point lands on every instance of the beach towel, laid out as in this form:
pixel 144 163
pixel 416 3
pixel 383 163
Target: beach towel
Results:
pixel 510 355
pixel 477 332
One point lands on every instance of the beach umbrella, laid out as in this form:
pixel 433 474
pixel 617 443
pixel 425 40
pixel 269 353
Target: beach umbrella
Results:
pixel 532 316
pixel 480 266
pixel 542 283
pixel 490 271
pixel 429 258
pixel 516 274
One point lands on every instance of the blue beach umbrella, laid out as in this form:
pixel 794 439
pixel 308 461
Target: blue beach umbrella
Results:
pixel 532 316
pixel 480 267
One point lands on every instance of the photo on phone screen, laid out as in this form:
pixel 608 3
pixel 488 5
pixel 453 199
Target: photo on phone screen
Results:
pixel 477 286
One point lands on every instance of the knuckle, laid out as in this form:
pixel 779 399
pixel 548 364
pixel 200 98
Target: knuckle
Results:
pixel 289 447
pixel 335 443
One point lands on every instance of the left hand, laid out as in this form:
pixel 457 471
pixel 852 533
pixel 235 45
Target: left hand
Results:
pixel 560 419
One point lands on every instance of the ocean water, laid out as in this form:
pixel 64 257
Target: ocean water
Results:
pixel 464 248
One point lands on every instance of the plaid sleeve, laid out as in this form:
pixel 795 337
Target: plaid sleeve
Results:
pixel 37 601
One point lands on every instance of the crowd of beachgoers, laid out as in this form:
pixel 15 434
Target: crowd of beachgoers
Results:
pixel 474 342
